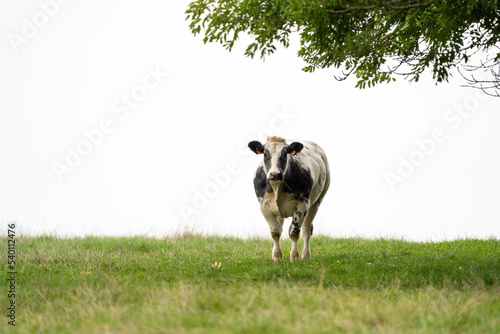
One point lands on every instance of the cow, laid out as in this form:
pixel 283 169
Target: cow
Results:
pixel 291 181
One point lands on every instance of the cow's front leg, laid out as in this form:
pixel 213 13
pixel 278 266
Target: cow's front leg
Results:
pixel 294 231
pixel 276 227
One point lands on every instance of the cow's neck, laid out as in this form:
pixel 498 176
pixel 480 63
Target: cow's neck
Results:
pixel 277 188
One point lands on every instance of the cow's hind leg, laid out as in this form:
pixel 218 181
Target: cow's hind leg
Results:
pixel 308 230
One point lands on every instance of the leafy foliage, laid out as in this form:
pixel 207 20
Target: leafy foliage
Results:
pixel 374 39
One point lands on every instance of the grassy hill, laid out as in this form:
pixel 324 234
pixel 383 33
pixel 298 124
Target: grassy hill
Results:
pixel 196 284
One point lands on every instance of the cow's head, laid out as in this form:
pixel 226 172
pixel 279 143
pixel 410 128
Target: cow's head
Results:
pixel 276 154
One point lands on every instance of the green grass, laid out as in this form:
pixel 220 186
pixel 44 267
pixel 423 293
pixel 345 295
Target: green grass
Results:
pixel 141 285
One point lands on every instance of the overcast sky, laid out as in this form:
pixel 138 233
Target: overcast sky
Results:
pixel 115 120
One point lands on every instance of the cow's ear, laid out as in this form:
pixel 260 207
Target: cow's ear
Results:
pixel 294 148
pixel 256 147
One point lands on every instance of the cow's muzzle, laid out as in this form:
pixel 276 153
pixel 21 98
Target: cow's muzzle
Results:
pixel 276 176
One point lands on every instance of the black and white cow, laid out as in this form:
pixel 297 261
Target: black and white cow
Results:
pixel 291 181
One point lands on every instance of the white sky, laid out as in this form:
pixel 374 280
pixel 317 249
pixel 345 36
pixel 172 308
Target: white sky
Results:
pixel 70 75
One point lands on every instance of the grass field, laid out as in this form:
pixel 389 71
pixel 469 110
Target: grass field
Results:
pixel 141 285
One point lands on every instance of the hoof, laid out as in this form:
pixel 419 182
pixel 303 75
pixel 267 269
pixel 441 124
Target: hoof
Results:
pixel 277 256
pixel 306 255
pixel 294 256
